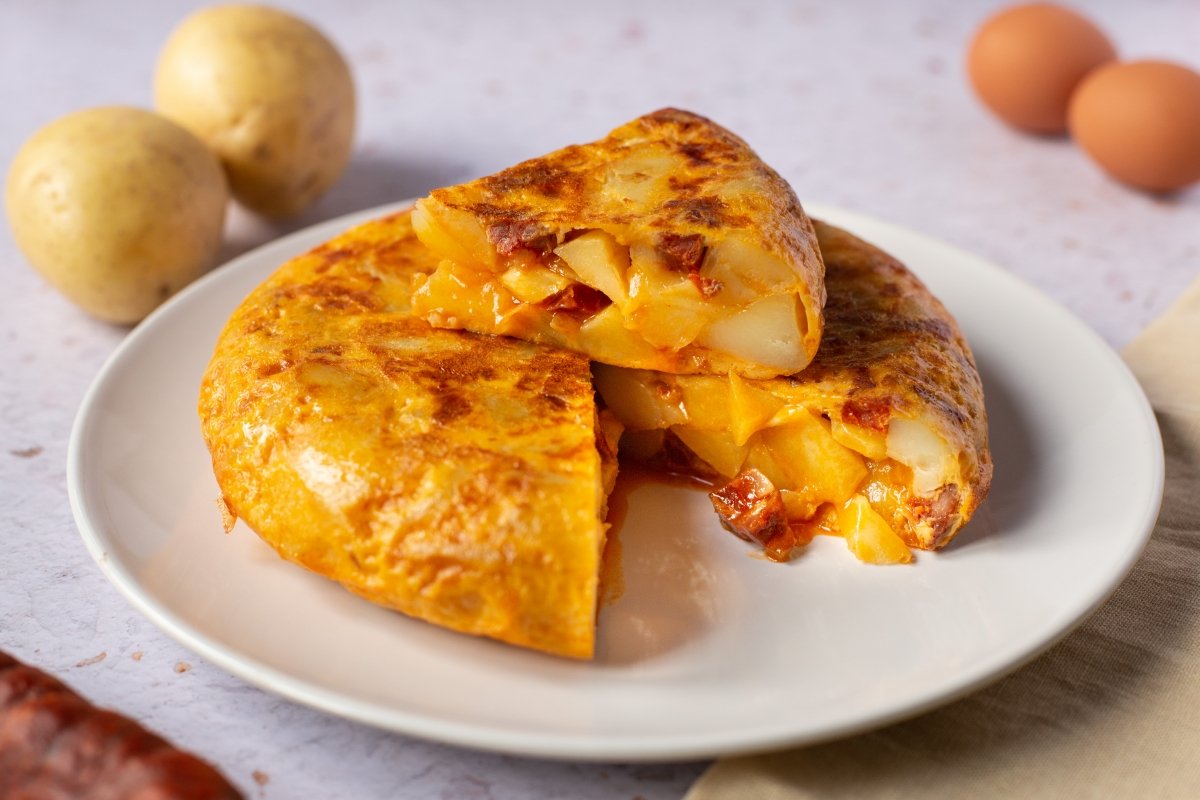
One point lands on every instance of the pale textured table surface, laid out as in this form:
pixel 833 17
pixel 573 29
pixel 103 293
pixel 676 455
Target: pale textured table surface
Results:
pixel 863 105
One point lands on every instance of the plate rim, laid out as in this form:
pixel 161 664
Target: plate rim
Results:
pixel 587 746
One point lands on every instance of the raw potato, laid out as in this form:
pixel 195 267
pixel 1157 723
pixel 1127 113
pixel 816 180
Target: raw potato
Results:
pixel 118 208
pixel 269 94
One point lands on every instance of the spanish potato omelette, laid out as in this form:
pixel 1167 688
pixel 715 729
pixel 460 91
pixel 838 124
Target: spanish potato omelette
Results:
pixel 457 478
pixel 362 421
pixel 667 245
pixel 882 438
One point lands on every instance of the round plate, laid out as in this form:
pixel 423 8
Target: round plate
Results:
pixel 710 650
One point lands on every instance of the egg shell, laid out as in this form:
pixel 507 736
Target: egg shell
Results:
pixel 1140 121
pixel 1025 61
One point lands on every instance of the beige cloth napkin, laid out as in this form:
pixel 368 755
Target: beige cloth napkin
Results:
pixel 1112 711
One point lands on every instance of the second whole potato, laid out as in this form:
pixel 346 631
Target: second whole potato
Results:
pixel 269 94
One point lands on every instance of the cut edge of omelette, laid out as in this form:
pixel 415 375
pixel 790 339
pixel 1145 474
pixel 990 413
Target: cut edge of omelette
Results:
pixel 882 439
pixel 460 479
pixel 667 245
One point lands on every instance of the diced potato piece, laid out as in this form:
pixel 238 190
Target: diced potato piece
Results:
pixel 803 456
pixel 769 332
pixel 603 336
pixel 532 283
pixel 746 272
pixel 453 294
pixel 871 443
pixel 452 234
pixel 706 399
pixel 762 458
pixel 674 319
pixel 914 444
pixel 715 448
pixel 639 400
pixel 702 401
pixel 869 536
pixel 599 262
pixel 798 506
pixel 665 308
pixel 751 408
pixel 648 274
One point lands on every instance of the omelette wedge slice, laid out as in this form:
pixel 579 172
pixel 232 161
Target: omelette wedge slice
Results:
pixel 667 245
pixel 883 438
pixel 460 479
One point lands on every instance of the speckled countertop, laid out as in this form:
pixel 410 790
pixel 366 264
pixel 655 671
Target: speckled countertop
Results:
pixel 862 105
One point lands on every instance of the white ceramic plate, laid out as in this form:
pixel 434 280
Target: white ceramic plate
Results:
pixel 710 650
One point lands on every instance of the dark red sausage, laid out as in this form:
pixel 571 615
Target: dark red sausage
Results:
pixel 54 744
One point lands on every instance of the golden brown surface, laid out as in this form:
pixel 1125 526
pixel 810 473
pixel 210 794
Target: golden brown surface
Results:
pixel 895 352
pixel 703 227
pixel 891 408
pixel 450 476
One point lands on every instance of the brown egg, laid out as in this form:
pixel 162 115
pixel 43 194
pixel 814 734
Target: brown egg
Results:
pixel 1026 60
pixel 1140 121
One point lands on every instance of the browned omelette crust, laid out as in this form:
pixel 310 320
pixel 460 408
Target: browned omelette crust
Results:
pixel 716 188
pixel 891 349
pixel 450 476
